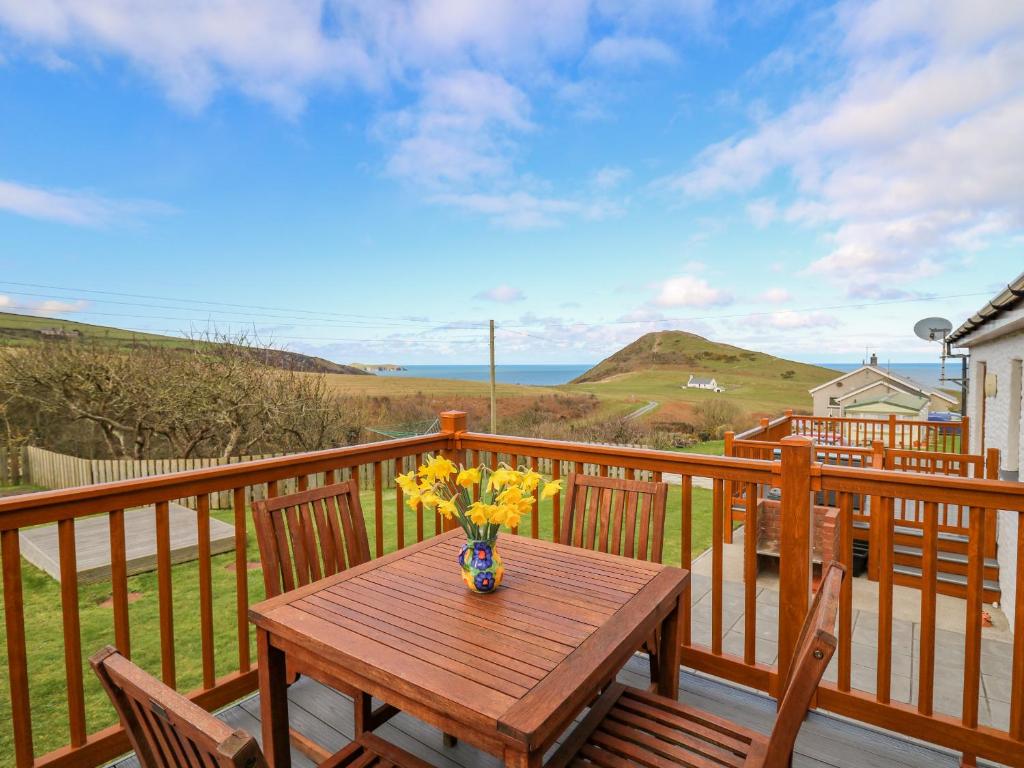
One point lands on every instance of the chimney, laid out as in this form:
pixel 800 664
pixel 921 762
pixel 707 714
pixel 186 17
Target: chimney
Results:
pixel 874 359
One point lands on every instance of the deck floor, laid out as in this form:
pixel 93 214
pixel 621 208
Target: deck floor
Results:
pixel 326 716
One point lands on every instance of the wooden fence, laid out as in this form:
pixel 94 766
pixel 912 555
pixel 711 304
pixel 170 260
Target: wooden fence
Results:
pixel 58 471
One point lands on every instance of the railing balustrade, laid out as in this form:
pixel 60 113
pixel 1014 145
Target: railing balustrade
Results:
pixel 703 491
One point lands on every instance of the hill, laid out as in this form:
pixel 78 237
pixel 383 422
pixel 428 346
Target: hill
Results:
pixel 25 330
pixel 656 366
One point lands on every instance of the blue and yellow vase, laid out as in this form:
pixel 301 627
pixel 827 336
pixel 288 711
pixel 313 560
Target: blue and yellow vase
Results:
pixel 481 565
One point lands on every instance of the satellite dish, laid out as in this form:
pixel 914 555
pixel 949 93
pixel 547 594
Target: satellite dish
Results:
pixel 932 328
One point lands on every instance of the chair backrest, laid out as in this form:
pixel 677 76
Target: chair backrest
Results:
pixel 309 535
pixel 621 517
pixel 814 650
pixel 166 729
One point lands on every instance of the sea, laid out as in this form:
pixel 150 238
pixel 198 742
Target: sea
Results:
pixel 925 374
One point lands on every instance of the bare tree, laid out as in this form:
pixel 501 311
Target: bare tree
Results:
pixel 713 417
pixel 204 398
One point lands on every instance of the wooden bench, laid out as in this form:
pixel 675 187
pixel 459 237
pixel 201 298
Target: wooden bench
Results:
pixel 630 727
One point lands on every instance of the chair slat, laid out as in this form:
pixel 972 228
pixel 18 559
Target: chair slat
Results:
pixel 604 513
pixel 309 535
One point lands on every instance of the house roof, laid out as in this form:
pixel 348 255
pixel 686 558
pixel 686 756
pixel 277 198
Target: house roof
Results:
pixel 700 380
pixel 890 376
pixel 1008 299
pixel 890 403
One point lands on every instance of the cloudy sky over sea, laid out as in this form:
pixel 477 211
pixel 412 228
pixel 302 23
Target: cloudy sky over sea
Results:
pixel 373 181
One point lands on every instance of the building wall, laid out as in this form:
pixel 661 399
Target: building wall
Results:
pixel 997 356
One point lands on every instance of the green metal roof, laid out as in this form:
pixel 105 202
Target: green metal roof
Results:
pixel 894 402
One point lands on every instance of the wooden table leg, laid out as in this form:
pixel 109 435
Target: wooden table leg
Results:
pixel 515 758
pixel 273 678
pixel 670 652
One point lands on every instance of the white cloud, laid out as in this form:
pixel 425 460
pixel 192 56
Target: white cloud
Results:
pixel 630 52
pixel 46 307
pixel 776 296
pixel 909 157
pixel 69 207
pixel 690 291
pixel 503 294
pixel 609 177
pixel 460 130
pixel 762 211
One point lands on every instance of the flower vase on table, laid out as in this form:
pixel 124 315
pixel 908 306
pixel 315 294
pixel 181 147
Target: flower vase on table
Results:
pixel 505 495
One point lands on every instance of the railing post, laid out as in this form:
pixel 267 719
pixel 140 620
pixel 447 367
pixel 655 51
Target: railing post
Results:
pixel 991 473
pixel 965 434
pixel 452 424
pixel 874 523
pixel 795 546
pixel 892 430
pixel 727 450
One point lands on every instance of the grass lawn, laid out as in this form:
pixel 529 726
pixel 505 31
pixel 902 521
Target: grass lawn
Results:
pixel 708 447
pixel 45 637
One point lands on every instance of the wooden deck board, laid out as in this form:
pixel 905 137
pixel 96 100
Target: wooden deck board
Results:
pixel 92 542
pixel 825 741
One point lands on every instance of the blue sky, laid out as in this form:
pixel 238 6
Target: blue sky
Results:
pixel 373 181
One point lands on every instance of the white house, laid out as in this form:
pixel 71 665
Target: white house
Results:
pixel 697 382
pixel 871 392
pixel 994 337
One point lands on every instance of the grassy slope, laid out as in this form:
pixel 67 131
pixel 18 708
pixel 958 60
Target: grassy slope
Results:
pixel 656 367
pixel 24 330
pixel 45 634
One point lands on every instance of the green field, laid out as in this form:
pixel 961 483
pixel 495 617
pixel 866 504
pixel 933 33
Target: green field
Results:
pixel 45 634
pixel 19 330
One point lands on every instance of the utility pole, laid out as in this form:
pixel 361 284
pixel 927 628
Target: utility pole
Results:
pixel 494 396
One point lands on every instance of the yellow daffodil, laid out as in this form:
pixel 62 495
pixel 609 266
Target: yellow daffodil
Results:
pixel 430 499
pixel 479 514
pixel 511 495
pixel 499 479
pixel 512 521
pixel 407 482
pixel 550 489
pixel 525 505
pixel 530 481
pixel 498 515
pixel 414 499
pixel 447 509
pixel 467 478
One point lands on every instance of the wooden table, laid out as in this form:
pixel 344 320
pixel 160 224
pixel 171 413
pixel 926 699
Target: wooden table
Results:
pixel 506 672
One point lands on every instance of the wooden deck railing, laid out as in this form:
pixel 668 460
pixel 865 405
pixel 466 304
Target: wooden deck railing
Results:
pixel 904 434
pixel 796 472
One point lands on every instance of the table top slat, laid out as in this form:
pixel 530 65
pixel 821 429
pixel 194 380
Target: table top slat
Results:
pixel 446 661
pixel 466 698
pixel 552 648
pixel 434 624
pixel 503 603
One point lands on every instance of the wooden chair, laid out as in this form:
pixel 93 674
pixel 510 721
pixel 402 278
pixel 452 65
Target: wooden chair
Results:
pixel 620 517
pixel 309 535
pixel 169 731
pixel 629 727
pixel 306 536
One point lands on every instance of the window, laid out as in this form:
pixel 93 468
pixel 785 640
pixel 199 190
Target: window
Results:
pixel 833 401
